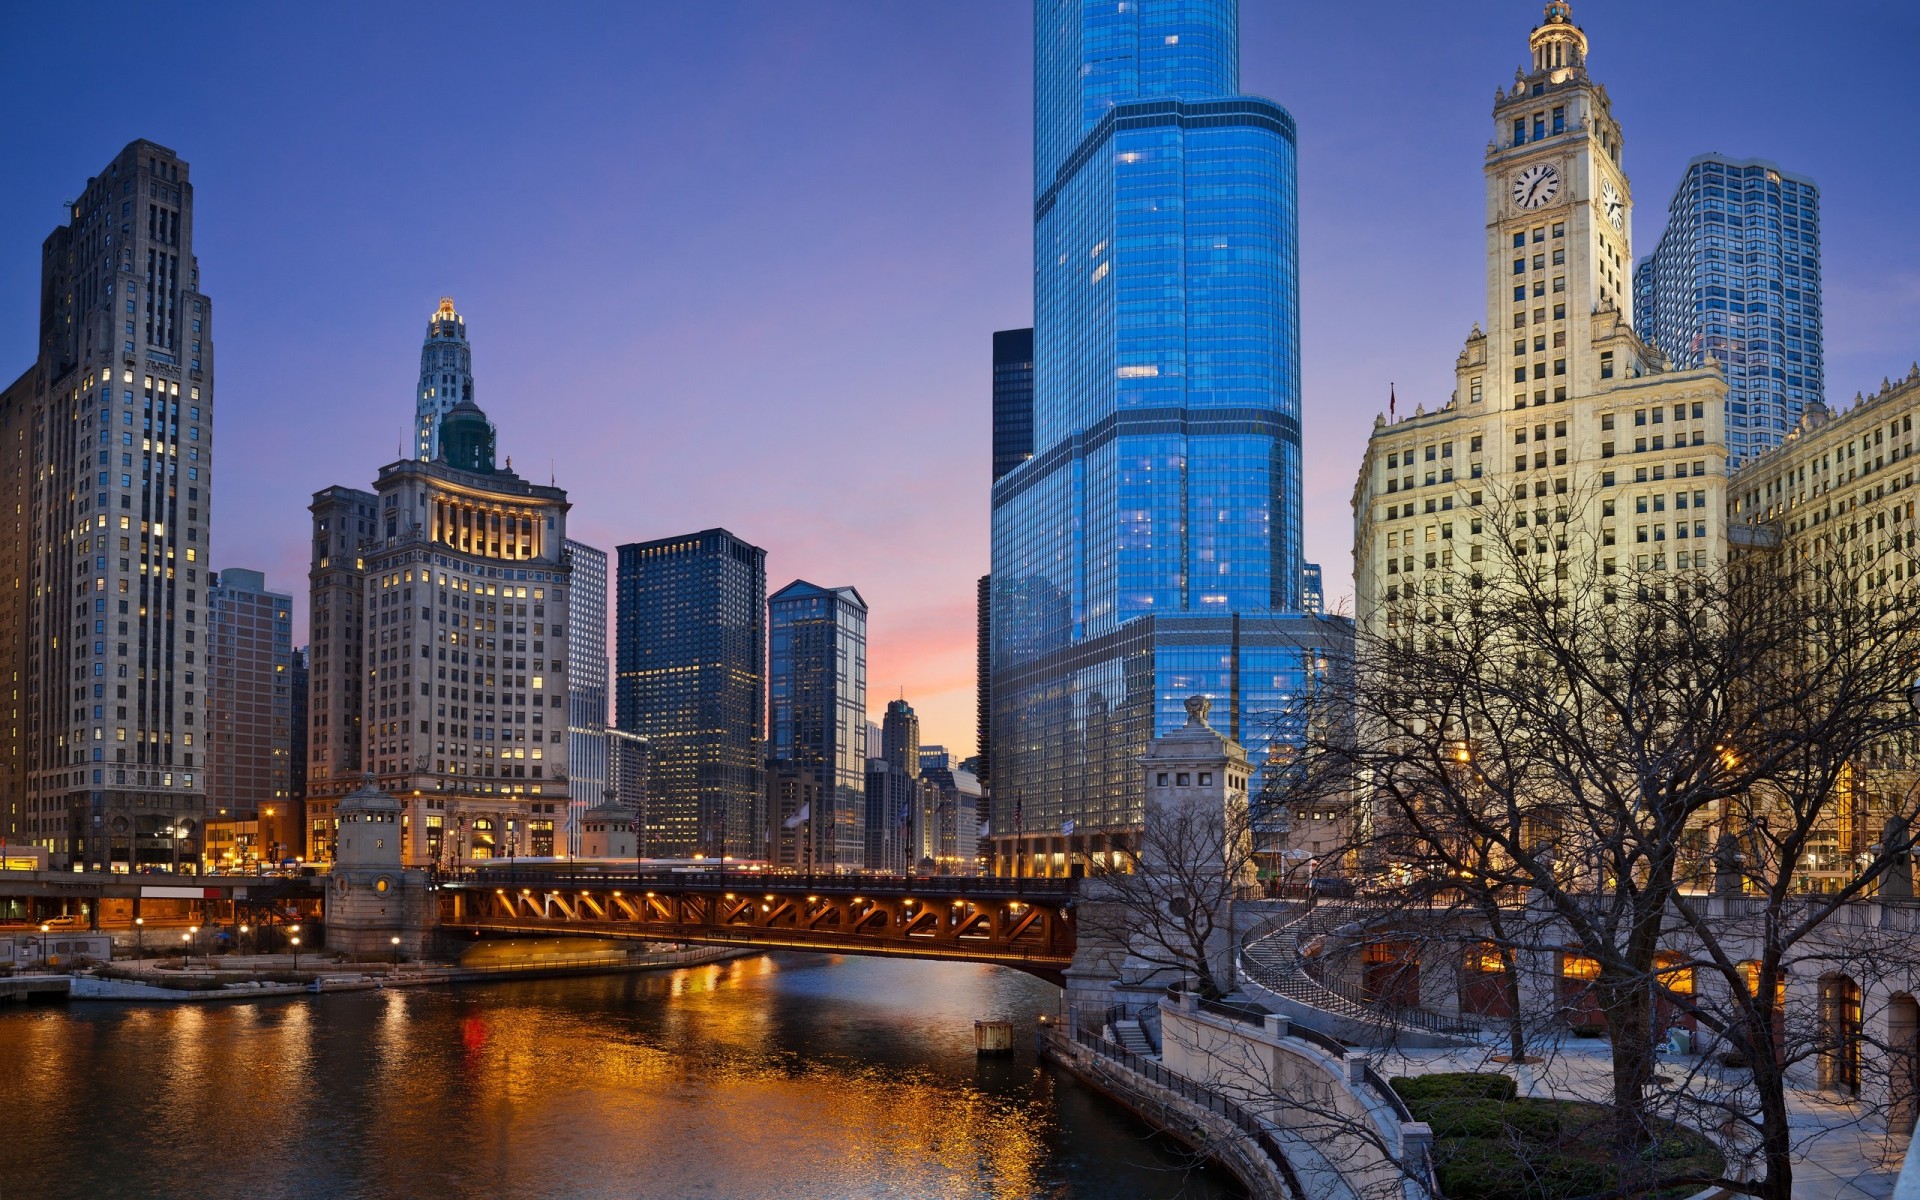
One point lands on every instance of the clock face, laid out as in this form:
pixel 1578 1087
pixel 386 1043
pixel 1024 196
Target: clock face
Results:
pixel 1614 205
pixel 1535 186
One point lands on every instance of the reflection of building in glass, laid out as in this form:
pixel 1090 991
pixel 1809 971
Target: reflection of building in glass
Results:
pixel 587 671
pixel 690 645
pixel 1150 548
pixel 1736 277
pixel 818 705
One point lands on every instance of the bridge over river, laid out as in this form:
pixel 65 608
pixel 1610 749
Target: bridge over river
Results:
pixel 1023 923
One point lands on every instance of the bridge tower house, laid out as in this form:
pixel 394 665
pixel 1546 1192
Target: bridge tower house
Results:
pixel 371 898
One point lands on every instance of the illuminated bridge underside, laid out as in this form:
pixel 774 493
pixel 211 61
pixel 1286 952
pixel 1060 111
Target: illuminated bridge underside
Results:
pixel 1033 937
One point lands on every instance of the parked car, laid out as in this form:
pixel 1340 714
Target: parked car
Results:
pixel 66 922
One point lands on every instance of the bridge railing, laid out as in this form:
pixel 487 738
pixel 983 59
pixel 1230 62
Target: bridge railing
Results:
pixel 956 886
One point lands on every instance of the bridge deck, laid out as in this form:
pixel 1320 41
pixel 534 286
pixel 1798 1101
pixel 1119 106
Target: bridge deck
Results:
pixel 1021 923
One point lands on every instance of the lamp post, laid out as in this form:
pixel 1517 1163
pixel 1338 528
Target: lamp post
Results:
pixel 243 934
pixel 195 931
pixel 396 956
pixel 296 951
pixel 139 942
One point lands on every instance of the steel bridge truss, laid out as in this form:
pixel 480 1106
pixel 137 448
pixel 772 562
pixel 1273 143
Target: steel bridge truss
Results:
pixel 1033 935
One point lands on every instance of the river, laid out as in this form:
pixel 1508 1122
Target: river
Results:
pixel 777 1077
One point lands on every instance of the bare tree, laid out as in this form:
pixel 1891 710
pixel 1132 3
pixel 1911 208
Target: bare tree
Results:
pixel 1169 896
pixel 1661 770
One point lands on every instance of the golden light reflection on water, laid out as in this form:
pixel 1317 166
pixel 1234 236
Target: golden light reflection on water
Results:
pixel 797 1077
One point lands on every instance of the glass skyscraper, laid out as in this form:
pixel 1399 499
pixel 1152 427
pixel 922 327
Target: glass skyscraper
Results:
pixel 690 646
pixel 1736 276
pixel 818 690
pixel 587 671
pixel 1012 400
pixel 1150 549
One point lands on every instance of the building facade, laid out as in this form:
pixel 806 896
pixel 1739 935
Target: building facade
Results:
pixel 287 825
pixel 1151 547
pixel 1012 399
pixel 588 672
pixel 107 497
pixel 817 689
pixel 691 670
pixel 439 626
pixel 1566 437
pixel 249 718
pixel 1838 491
pixel 627 770
pixel 1735 279
pixel 446 377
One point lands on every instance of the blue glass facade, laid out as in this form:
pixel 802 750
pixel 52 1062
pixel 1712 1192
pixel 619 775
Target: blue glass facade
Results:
pixel 1736 275
pixel 1151 546
pixel 818 689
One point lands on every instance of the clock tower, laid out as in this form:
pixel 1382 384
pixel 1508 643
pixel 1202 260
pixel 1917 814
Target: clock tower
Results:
pixel 1569 453
pixel 1559 219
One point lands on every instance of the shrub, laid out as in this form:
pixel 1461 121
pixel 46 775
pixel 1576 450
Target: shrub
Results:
pixel 1455 1085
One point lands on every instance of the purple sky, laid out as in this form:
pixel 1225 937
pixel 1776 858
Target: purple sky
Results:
pixel 737 263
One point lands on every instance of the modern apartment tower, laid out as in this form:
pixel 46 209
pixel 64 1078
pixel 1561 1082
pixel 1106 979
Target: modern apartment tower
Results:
pixel 104 508
pixel 439 647
pixel 588 670
pixel 446 378
pixel 690 649
pixel 818 709
pixel 1736 278
pixel 249 718
pixel 1150 548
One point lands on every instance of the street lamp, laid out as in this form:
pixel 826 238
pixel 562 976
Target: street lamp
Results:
pixel 243 931
pixel 195 931
pixel 396 955
pixel 296 953
pixel 139 941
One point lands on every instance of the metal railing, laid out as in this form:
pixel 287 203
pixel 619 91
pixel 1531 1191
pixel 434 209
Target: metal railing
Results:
pixel 1246 1122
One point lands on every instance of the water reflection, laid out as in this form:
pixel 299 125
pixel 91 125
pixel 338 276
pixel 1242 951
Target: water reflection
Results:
pixel 790 1076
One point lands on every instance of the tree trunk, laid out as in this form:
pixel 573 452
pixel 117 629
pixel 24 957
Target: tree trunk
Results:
pixel 1629 1011
pixel 1770 1085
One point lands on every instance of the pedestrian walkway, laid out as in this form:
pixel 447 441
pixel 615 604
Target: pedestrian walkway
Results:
pixel 1840 1153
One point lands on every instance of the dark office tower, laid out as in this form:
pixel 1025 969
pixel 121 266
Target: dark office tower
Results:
pixel 1313 589
pixel 1736 278
pixel 109 449
pixel 587 670
pixel 1012 399
pixel 287 834
pixel 818 690
pixel 249 720
pixel 900 737
pixel 690 676
pixel 983 676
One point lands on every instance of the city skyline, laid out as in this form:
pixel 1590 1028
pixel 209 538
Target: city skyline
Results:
pixel 319 360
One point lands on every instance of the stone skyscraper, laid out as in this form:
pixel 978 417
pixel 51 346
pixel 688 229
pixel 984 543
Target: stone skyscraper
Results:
pixel 1150 548
pixel 1736 277
pixel 690 652
pixel 250 709
pixel 1565 438
pixel 439 652
pixel 817 706
pixel 446 378
pixel 105 501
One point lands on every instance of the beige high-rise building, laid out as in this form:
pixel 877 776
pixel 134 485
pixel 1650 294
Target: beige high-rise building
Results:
pixel 439 653
pixel 1562 423
pixel 105 500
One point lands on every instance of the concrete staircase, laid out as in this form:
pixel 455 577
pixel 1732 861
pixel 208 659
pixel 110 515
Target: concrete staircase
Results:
pixel 1133 1038
pixel 1272 962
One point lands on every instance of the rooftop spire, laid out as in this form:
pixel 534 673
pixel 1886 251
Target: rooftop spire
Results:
pixel 1559 47
pixel 446 376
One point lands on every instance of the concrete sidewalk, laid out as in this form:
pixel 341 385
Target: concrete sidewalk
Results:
pixel 1841 1156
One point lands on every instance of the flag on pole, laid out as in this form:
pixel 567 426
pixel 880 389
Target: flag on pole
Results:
pixel 1393 401
pixel 797 819
pixel 1066 828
